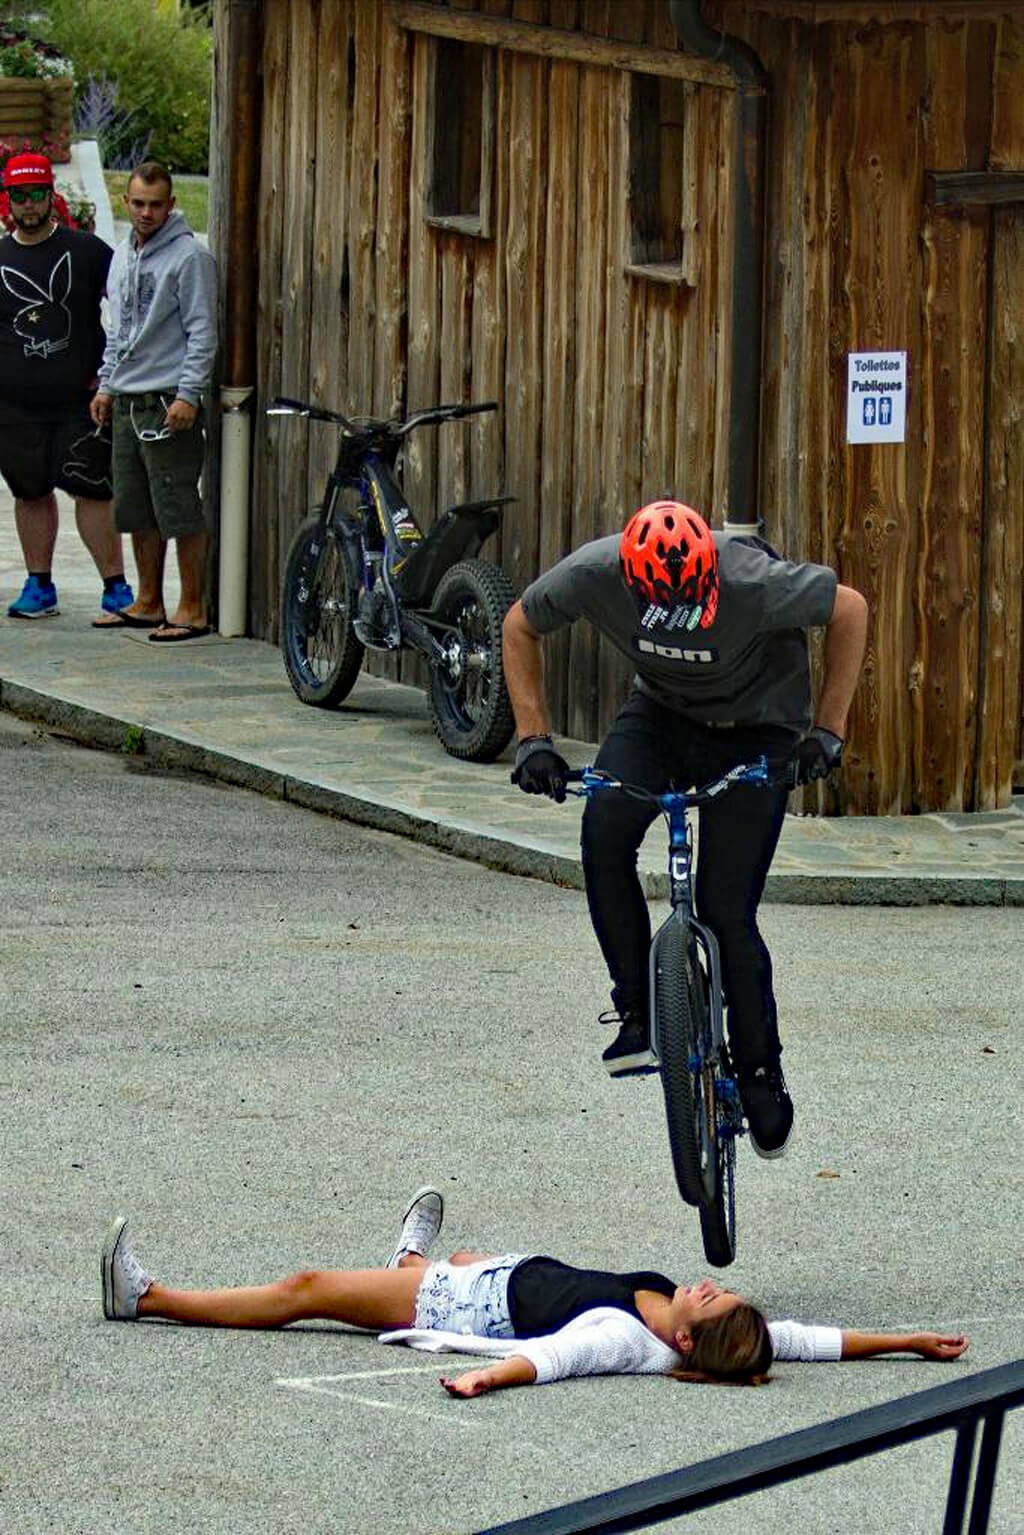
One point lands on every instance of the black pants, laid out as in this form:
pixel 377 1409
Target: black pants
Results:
pixel 650 746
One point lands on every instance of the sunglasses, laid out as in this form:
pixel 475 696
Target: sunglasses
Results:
pixel 28 194
pixel 150 433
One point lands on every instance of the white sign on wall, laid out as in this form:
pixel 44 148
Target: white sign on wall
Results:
pixel 876 397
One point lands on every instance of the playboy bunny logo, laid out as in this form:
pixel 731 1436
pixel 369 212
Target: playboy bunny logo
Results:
pixel 88 461
pixel 45 319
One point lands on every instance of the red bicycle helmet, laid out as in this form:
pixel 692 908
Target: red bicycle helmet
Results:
pixel 667 556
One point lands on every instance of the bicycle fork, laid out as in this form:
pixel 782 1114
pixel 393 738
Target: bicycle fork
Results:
pixel 700 941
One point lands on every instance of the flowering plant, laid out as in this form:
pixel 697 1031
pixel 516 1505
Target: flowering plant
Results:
pixel 75 216
pixel 26 58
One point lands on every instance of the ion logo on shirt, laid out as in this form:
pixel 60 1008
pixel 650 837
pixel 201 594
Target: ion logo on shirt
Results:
pixel 675 652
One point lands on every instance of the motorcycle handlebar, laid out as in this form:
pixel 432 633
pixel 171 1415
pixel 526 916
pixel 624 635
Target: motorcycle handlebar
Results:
pixel 438 413
pixel 282 405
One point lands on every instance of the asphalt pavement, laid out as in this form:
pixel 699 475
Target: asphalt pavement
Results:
pixel 254 1030
pixel 224 707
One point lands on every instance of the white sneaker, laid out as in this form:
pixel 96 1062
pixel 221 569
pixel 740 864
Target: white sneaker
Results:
pixel 420 1225
pixel 125 1281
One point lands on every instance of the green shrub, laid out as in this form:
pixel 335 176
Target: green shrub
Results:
pixel 160 61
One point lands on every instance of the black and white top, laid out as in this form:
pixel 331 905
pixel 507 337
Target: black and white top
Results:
pixel 608 1341
pixel 574 1321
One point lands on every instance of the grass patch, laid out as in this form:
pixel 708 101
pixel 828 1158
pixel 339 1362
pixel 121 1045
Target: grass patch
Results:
pixel 133 744
pixel 192 197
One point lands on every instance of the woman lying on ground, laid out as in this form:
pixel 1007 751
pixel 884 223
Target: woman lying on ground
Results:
pixel 544 1319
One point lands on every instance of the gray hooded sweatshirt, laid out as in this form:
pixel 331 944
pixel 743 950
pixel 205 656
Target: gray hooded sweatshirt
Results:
pixel 163 315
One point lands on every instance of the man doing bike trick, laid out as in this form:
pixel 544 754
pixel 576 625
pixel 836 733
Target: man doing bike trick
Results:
pixel 715 626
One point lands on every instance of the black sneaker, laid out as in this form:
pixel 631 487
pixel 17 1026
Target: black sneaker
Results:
pixel 630 1052
pixel 769 1109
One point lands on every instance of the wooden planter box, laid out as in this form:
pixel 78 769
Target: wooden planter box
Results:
pixel 30 108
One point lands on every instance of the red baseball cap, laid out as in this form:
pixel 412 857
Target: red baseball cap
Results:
pixel 28 171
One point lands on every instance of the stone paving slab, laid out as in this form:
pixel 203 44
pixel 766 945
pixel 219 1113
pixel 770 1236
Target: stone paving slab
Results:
pixel 224 707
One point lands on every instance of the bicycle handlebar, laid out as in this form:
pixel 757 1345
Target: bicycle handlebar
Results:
pixel 591 781
pixel 281 405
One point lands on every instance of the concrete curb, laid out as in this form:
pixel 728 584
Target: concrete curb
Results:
pixel 167 750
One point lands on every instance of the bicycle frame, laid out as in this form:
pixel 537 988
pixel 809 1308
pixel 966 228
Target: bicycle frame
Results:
pixel 675 806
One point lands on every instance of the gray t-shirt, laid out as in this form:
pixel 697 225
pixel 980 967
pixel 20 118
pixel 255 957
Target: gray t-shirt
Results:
pixel 748 668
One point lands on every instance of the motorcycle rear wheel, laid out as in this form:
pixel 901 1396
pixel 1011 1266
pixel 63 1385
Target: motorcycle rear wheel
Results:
pixel 469 701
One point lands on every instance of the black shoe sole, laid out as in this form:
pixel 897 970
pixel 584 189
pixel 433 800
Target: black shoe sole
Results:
pixel 638 1065
pixel 763 1152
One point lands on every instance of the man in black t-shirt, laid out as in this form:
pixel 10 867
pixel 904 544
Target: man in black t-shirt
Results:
pixel 52 282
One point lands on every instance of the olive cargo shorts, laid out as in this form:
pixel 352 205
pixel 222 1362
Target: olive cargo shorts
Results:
pixel 156 478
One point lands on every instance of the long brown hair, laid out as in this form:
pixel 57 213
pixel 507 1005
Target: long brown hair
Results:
pixel 734 1350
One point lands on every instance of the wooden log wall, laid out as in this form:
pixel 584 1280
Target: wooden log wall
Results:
pixel 864 101
pixel 614 387
pixel 610 386
pixel 31 108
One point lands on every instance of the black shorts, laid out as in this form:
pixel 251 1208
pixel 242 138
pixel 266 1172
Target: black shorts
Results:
pixel 67 452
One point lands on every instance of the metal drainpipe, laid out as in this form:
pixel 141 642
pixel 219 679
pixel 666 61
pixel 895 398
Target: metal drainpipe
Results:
pixel 748 247
pixel 239 351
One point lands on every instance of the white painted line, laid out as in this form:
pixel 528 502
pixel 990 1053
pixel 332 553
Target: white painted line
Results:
pixel 323 1385
pixel 408 1369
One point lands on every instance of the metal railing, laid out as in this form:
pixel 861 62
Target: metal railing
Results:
pixel 981 1399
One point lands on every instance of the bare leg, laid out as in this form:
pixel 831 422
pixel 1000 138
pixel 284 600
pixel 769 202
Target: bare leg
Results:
pixel 191 607
pixel 464 1256
pixel 150 552
pixel 98 534
pixel 373 1298
pixel 36 522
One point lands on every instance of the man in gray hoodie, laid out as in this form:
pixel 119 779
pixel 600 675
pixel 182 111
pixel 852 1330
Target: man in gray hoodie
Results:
pixel 158 361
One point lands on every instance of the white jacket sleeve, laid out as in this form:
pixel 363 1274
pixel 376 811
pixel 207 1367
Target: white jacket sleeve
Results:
pixel 792 1340
pixel 603 1341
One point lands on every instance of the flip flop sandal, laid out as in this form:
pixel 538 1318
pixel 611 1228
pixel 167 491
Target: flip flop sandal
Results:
pixel 124 620
pixel 174 634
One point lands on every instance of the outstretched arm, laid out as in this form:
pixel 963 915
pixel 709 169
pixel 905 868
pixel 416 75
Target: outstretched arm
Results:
pixel 514 1371
pixel 796 1340
pixel 929 1345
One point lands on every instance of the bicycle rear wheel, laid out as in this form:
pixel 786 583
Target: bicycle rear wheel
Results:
pixel 718 1217
pixel 322 655
pixel 681 1032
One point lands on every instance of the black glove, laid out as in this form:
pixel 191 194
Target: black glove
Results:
pixel 817 755
pixel 539 769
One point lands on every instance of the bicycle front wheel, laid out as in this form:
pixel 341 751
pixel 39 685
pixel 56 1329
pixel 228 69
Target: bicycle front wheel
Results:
pixel 681 1030
pixel 322 655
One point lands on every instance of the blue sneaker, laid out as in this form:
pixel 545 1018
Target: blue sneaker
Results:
pixel 119 596
pixel 36 600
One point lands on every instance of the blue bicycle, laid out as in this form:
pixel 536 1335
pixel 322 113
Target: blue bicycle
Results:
pixel 687 1016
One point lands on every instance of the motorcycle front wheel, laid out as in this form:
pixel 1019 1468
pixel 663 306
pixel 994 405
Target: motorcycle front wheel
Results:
pixel 318 602
pixel 469 701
